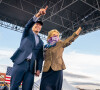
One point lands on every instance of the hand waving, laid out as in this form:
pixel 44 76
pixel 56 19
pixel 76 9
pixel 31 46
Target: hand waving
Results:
pixel 42 11
pixel 78 30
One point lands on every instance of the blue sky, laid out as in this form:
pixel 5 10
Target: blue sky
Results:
pixel 82 56
pixel 9 38
pixel 88 43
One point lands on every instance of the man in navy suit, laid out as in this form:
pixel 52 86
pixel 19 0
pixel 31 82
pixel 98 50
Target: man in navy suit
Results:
pixel 30 49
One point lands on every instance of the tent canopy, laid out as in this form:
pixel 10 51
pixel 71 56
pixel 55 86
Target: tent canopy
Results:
pixel 64 15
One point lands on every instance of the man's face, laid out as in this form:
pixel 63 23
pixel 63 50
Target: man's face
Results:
pixel 36 28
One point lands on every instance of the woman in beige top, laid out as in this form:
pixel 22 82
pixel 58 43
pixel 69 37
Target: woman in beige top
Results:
pixel 52 76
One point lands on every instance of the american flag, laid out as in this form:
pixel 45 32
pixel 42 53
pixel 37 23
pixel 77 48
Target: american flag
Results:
pixel 8 74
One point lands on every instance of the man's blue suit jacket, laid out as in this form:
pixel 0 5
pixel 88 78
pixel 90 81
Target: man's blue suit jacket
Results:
pixel 27 46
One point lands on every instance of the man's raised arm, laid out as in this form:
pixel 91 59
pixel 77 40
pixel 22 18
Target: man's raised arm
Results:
pixel 32 21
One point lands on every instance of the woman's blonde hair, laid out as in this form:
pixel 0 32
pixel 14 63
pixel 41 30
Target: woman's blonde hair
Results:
pixel 50 33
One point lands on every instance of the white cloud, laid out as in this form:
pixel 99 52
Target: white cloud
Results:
pixel 3 68
pixel 84 64
pixel 5 55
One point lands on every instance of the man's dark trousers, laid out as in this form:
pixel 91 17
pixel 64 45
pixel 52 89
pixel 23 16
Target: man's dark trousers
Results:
pixel 22 73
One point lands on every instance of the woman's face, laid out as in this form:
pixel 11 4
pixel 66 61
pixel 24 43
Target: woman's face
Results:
pixel 54 34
